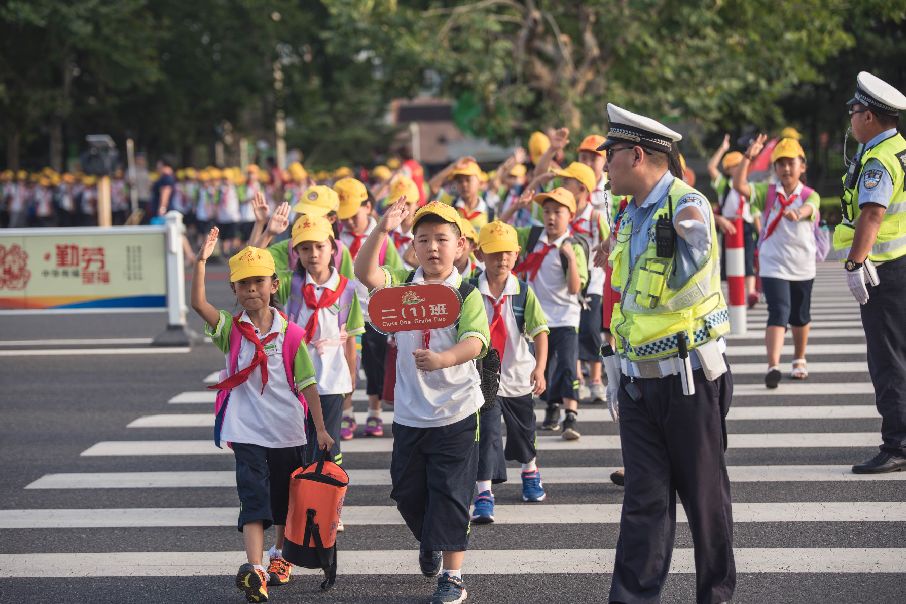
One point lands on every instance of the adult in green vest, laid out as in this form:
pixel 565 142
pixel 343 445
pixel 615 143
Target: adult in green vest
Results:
pixel 872 238
pixel 675 387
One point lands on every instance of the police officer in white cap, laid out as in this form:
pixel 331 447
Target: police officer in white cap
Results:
pixel 872 239
pixel 676 387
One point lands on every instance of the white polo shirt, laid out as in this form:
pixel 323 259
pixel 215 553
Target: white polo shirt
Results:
pixel 598 230
pixel 561 307
pixel 431 399
pixel 326 349
pixel 360 290
pixel 518 360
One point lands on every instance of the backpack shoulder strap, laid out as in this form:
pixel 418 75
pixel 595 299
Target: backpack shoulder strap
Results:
pixel 519 301
pixel 410 277
pixel 533 236
pixel 465 288
pixel 295 301
pixel 235 344
pixel 292 341
pixel 769 198
pixel 382 255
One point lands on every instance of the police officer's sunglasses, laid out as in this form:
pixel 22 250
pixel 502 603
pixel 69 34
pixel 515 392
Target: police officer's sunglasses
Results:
pixel 853 112
pixel 613 150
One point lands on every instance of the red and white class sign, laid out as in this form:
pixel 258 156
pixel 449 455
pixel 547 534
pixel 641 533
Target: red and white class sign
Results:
pixel 414 307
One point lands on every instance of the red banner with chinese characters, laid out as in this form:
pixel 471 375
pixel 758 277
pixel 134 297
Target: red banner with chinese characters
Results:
pixel 416 306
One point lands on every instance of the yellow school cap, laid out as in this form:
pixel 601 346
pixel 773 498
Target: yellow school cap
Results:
pixel 402 185
pixel 498 236
pixel 466 167
pixel 438 208
pixel 393 163
pixel 318 200
pixel 381 173
pixel 518 170
pixel 311 228
pixel 591 143
pixel 297 171
pixel 790 132
pixel 580 172
pixel 343 172
pixel 353 193
pixel 731 160
pixel 538 143
pixel 560 195
pixel 467 230
pixel 251 262
pixel 787 147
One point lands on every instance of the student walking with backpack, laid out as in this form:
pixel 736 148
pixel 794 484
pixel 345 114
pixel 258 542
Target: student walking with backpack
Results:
pixel 261 409
pixel 788 247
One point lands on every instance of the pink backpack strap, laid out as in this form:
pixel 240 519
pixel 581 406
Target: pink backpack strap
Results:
pixel 382 257
pixel 292 341
pixel 235 344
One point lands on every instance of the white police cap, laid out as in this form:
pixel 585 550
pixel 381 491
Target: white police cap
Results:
pixel 626 126
pixel 877 95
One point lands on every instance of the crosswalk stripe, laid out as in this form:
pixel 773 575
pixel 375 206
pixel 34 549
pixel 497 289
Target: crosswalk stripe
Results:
pixel 477 562
pixel 381 477
pixel 853 350
pixel 56 352
pixel 850 332
pixel 205 420
pixel 817 324
pixel 795 440
pixel 595 513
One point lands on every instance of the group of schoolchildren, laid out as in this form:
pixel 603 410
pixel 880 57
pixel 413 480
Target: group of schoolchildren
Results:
pixel 525 292
pixel 529 292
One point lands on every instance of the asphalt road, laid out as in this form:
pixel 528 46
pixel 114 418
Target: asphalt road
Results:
pixel 74 529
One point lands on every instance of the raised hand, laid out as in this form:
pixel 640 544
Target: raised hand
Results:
pixel 279 222
pixel 519 155
pixel 209 245
pixel 394 215
pixel 560 138
pixel 725 145
pixel 756 146
pixel 525 200
pixel 259 205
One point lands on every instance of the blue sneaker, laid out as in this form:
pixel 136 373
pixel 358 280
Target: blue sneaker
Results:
pixel 450 590
pixel 483 513
pixel 532 489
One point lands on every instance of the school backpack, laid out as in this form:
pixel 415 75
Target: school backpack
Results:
pixel 292 340
pixel 488 366
pixel 316 494
pixel 535 235
pixel 822 238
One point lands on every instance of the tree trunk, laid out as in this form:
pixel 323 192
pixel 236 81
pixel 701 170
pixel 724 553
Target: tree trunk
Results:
pixel 13 138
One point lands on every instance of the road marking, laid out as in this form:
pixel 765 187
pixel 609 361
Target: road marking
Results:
pixel 854 350
pixel 208 396
pixel 381 477
pixel 478 562
pixel 758 333
pixel 792 440
pixel 599 414
pixel 820 325
pixel 788 388
pixel 816 316
pixel 56 352
pixel 870 511
pixel 79 342
pixel 817 367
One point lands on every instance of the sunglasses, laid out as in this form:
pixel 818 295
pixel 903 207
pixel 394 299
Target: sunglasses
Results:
pixel 853 112
pixel 613 150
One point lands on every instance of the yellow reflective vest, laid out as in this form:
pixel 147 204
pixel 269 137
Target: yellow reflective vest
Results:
pixel 651 313
pixel 891 241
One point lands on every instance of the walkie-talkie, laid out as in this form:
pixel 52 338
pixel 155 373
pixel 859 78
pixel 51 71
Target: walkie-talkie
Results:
pixel 665 233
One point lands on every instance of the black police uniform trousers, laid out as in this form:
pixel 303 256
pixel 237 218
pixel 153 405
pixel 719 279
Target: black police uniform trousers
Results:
pixel 884 321
pixel 672 445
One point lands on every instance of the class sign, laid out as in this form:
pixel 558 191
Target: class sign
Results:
pixel 415 306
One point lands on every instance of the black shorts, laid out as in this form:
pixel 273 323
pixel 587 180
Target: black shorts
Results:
pixel 332 410
pixel 789 302
pixel 262 480
pixel 519 416
pixel 590 330
pixel 433 473
pixel 228 230
pixel 562 356
pixel 245 230
pixel 374 354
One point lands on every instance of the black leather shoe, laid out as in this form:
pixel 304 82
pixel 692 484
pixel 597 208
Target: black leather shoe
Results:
pixel 881 463
pixel 430 562
pixel 617 478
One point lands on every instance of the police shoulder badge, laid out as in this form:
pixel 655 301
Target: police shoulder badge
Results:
pixel 871 179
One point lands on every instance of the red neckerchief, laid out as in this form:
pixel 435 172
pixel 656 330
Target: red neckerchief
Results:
pixel 328 299
pixel 533 261
pixel 784 203
pixel 399 240
pixel 259 360
pixel 356 243
pixel 498 326
pixel 576 227
pixel 465 213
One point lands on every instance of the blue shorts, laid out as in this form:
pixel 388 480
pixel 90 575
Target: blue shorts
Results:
pixel 563 354
pixel 789 302
pixel 262 480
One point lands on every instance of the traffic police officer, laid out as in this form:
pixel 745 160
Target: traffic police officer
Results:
pixel 676 387
pixel 872 238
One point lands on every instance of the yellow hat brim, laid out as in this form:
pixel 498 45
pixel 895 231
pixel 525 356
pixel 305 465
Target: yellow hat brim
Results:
pixel 315 235
pixel 542 197
pixel 348 210
pixel 492 247
pixel 310 209
pixel 250 271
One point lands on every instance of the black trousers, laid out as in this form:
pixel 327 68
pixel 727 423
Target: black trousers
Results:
pixel 674 445
pixel 433 473
pixel 374 354
pixel 518 414
pixel 884 321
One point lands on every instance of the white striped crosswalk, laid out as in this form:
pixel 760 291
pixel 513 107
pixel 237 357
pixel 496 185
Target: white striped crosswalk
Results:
pixel 784 479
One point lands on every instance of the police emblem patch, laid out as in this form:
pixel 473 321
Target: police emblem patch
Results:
pixel 871 178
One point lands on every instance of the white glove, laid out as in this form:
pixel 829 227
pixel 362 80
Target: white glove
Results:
pixel 612 369
pixel 857 279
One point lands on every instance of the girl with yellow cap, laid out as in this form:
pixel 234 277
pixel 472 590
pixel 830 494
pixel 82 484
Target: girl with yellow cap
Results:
pixel 787 249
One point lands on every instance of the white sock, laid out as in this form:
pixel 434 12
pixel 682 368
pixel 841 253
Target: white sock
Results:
pixel 454 573
pixel 483 485
pixel 262 569
pixel 374 413
pixel 273 552
pixel 530 466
